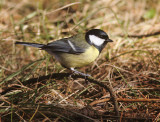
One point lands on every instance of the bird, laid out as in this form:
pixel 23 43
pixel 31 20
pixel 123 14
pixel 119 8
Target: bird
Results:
pixel 76 51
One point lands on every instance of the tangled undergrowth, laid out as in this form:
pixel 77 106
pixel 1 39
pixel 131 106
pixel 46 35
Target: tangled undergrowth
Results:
pixel 131 64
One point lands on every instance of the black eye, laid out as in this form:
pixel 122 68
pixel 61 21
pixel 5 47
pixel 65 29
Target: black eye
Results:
pixel 103 36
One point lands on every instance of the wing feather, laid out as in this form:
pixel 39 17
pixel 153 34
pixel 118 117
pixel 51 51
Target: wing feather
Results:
pixel 63 45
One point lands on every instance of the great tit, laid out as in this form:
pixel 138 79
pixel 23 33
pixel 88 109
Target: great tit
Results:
pixel 76 51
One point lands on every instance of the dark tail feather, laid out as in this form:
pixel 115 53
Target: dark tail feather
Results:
pixel 30 44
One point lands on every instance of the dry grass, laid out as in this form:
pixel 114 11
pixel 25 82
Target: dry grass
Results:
pixel 131 65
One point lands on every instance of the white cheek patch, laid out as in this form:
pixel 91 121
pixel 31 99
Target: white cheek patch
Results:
pixel 96 40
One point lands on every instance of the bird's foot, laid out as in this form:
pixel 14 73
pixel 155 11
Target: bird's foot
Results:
pixel 80 73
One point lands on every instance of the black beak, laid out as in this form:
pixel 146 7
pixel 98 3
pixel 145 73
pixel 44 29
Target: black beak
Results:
pixel 109 40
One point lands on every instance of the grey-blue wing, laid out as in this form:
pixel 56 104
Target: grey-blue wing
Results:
pixel 63 45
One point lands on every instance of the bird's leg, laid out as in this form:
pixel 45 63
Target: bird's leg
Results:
pixel 77 72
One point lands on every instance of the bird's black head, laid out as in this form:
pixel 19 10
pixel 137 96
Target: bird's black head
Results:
pixel 98 38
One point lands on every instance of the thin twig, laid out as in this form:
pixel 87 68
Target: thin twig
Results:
pixel 143 35
pixel 66 6
pixel 125 100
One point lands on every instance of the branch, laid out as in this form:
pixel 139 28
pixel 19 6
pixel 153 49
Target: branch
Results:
pixel 59 76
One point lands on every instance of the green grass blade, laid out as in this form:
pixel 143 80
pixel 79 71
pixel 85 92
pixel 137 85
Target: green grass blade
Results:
pixel 18 72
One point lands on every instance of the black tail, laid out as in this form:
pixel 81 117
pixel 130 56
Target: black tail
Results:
pixel 30 44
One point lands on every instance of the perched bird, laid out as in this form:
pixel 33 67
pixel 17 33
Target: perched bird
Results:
pixel 76 51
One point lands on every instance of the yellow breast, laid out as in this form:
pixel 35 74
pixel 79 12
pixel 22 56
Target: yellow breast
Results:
pixel 72 60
